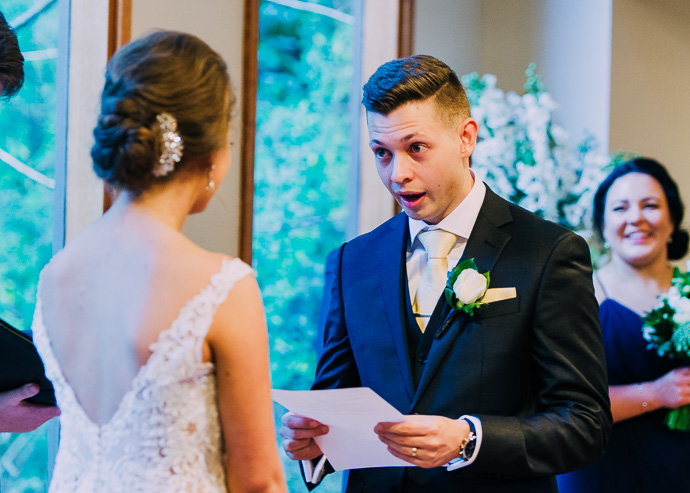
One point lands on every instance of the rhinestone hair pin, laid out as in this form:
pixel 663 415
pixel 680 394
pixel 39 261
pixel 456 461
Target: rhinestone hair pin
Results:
pixel 172 145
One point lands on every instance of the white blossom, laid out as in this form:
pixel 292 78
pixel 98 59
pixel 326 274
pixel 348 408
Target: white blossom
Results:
pixel 527 158
pixel 682 308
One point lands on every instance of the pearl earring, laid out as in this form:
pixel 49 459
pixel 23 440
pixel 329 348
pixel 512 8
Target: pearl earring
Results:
pixel 211 186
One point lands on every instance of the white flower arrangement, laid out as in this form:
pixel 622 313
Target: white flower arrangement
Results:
pixel 526 158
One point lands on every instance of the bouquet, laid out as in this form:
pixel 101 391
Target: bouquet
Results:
pixel 667 329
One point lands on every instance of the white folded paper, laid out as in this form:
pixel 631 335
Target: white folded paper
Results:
pixel 351 415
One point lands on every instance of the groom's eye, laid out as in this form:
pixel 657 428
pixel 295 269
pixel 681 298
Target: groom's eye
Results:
pixel 380 153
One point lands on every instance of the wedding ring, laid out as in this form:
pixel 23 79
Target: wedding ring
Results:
pixel 414 451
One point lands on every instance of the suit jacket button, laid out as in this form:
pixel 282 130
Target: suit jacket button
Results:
pixel 422 359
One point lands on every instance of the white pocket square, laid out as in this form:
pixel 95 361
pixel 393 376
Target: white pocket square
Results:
pixel 499 294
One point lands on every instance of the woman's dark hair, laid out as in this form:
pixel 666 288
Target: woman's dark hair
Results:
pixel 11 60
pixel 678 246
pixel 163 72
pixel 416 78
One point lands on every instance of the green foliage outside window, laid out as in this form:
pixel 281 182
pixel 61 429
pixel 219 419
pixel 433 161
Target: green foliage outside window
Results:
pixel 27 133
pixel 27 142
pixel 301 179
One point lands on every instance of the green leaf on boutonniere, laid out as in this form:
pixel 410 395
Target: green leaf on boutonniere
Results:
pixel 466 287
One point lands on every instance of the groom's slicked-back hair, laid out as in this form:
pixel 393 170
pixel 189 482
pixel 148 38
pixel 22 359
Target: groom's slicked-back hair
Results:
pixel 11 60
pixel 416 78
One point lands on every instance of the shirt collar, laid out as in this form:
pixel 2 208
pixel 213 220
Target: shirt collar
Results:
pixel 461 220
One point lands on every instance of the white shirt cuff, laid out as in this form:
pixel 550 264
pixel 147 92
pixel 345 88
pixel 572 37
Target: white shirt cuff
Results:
pixel 314 470
pixel 459 462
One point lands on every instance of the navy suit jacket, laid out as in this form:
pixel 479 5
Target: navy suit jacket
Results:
pixel 531 368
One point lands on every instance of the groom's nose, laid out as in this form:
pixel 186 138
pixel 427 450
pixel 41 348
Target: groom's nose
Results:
pixel 402 169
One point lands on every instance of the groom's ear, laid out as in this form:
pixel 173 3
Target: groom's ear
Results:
pixel 467 132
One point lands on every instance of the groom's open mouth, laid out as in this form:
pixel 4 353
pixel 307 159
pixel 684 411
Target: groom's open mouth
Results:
pixel 411 199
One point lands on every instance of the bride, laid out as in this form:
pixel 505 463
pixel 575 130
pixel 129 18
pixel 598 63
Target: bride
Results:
pixel 157 348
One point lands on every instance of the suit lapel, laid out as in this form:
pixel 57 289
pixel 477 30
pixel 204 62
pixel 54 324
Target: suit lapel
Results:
pixel 392 276
pixel 485 245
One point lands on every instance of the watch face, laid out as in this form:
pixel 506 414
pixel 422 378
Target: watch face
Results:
pixel 468 449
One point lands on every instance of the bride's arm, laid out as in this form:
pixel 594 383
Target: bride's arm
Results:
pixel 239 342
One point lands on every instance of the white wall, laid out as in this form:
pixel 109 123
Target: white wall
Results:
pixel 575 61
pixel 508 40
pixel 80 75
pixel 220 24
pixel 650 100
pixel 450 31
pixel 379 45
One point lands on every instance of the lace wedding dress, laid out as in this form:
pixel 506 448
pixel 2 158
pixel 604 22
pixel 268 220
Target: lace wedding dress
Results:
pixel 165 435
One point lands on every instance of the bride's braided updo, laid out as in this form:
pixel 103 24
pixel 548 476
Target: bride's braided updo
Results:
pixel 164 72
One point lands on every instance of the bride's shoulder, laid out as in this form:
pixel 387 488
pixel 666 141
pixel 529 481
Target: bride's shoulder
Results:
pixel 194 257
pixel 208 267
pixel 65 263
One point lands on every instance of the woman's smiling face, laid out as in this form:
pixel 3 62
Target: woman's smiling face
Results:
pixel 637 219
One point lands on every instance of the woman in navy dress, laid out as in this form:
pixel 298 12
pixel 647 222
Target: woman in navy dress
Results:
pixel 638 212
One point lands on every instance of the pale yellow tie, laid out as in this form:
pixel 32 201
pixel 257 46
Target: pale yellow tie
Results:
pixel 437 244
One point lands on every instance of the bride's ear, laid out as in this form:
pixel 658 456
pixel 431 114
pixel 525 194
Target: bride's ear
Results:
pixel 199 165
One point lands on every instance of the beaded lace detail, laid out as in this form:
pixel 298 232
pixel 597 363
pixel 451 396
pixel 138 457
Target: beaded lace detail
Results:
pixel 165 435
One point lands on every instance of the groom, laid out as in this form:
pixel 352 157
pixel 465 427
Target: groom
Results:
pixel 501 400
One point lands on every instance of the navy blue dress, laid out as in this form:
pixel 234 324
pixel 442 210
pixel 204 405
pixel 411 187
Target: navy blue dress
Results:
pixel 643 455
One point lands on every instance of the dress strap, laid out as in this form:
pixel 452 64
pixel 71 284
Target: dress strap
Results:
pixel 194 320
pixel 601 284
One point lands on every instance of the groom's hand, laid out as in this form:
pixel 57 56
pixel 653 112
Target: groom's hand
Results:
pixel 298 435
pixel 425 441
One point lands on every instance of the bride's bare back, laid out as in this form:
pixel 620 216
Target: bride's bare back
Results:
pixel 109 296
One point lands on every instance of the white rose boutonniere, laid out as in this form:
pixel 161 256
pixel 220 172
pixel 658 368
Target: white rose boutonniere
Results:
pixel 466 287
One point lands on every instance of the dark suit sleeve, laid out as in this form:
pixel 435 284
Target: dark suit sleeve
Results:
pixel 336 366
pixel 571 422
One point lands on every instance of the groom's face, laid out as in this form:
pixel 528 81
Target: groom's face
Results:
pixel 422 160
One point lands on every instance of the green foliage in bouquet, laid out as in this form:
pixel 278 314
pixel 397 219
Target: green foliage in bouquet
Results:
pixel 667 330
